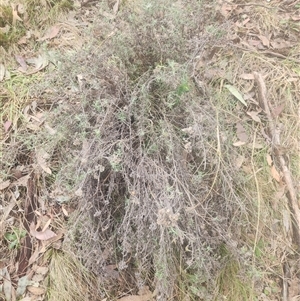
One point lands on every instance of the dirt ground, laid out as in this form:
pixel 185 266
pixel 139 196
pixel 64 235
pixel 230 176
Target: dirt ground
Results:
pixel 150 150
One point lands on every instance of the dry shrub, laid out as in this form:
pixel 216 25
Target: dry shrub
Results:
pixel 138 146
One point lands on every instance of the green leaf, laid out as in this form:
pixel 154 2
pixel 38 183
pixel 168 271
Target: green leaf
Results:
pixel 10 236
pixel 234 91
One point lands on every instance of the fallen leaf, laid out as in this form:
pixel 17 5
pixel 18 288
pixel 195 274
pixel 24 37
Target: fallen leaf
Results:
pixel 256 145
pixel 280 193
pixel 15 14
pixel 47 225
pixel 22 40
pixel 226 9
pixel 239 143
pixel 41 270
pixel 286 220
pixel 5 29
pixel 253 115
pixel 247 169
pixel 249 95
pixel 38 278
pixel 22 63
pixel 280 44
pixel 50 130
pixel 42 156
pixel 264 40
pixel 39 62
pixel 7 125
pixel 54 242
pixel 247 76
pixel 238 162
pixel 23 181
pixel 116 7
pixel 278 110
pixel 65 212
pixel 2 72
pixel 47 234
pixel 275 173
pixel 241 132
pixel 4 184
pixel 234 91
pixel 7 287
pixel 51 33
pixel 5 213
pixel 36 290
pixel 22 284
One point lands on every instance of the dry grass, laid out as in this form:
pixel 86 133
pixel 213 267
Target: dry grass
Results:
pixel 68 279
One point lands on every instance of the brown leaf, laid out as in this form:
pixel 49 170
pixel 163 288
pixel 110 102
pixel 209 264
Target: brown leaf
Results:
pixel 39 62
pixel 41 156
pixel 41 270
pixel 247 76
pixel 5 213
pixel 36 290
pixel 15 15
pixel 238 143
pixel 241 132
pixel 280 44
pixel 41 235
pixel 253 115
pixel 22 63
pixel 47 225
pixel 280 192
pixel 278 110
pixel 7 124
pixel 247 169
pixel 51 33
pixel 227 9
pixel 50 130
pixel 22 40
pixel 256 145
pixel 45 235
pixel 275 174
pixel 54 242
pixel 4 184
pixel 264 40
pixel 22 181
pixel 238 162
pixel 116 7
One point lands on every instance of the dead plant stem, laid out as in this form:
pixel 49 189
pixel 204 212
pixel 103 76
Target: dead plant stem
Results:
pixel 275 135
pixel 258 197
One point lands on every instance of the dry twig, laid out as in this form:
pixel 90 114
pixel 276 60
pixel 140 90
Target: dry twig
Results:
pixel 275 135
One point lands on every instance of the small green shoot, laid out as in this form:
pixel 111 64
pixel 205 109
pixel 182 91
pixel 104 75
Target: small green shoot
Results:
pixel 14 238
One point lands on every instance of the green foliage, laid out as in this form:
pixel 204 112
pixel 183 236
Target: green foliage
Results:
pixel 13 238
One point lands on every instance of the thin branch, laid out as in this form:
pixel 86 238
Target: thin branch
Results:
pixel 275 135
